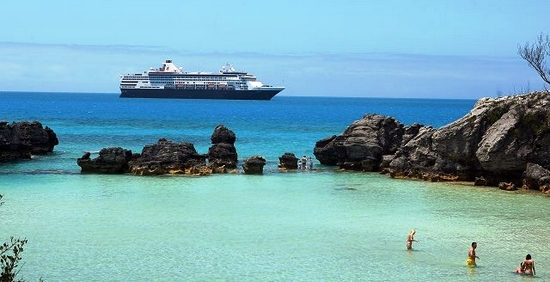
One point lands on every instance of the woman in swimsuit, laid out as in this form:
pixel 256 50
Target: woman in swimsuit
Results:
pixel 527 266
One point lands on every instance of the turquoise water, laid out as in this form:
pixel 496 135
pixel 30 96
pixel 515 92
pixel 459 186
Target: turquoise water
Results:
pixel 322 225
pixel 311 226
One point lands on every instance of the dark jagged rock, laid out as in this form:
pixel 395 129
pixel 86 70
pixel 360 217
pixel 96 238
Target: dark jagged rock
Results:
pixel 536 177
pixel 496 139
pixel 21 140
pixel 222 154
pixel 324 152
pixel 112 160
pixel 166 157
pixel 288 161
pixel 254 165
pixel 362 145
pixel 508 186
pixel 222 134
pixel 480 181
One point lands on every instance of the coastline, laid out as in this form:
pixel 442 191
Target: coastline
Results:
pixel 483 107
pixel 501 142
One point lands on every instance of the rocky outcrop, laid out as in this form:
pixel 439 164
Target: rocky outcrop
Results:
pixel 363 144
pixel 110 161
pixel 507 186
pixel 222 154
pixel 288 161
pixel 21 140
pixel 254 165
pixel 163 157
pixel 496 140
pixel 166 157
pixel 536 177
pixel 480 181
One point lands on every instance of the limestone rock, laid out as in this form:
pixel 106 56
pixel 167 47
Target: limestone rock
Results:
pixel 223 154
pixel 362 145
pixel 112 160
pixel 536 177
pixel 166 157
pixel 498 138
pixel 415 155
pixel 480 181
pixel 21 140
pixel 254 165
pixel 288 161
pixel 222 134
pixel 508 186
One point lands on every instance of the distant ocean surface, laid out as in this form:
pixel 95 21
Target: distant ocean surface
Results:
pixel 321 225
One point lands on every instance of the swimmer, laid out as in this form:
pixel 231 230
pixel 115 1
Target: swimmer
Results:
pixel 471 261
pixel 527 266
pixel 410 239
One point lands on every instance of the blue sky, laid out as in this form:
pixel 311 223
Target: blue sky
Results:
pixel 396 48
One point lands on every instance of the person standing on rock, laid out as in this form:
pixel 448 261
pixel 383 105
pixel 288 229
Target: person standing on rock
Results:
pixel 304 162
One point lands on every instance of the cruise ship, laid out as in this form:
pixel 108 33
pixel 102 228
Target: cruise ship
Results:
pixel 169 81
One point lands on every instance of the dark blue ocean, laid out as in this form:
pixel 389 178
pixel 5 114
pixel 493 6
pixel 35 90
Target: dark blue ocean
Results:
pixel 320 225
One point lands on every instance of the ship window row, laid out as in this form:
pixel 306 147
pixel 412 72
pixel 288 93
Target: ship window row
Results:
pixel 189 83
pixel 134 77
pixel 197 78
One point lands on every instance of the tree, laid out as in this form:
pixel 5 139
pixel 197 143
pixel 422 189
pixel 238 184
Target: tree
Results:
pixel 10 255
pixel 535 54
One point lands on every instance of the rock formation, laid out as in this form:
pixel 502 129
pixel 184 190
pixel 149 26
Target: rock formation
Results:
pixel 222 154
pixel 167 157
pixel 536 177
pixel 21 140
pixel 364 143
pixel 496 140
pixel 254 165
pixel 288 161
pixel 163 157
pixel 110 160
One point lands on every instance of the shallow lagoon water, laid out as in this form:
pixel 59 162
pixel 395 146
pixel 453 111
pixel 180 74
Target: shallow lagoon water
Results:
pixel 307 226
